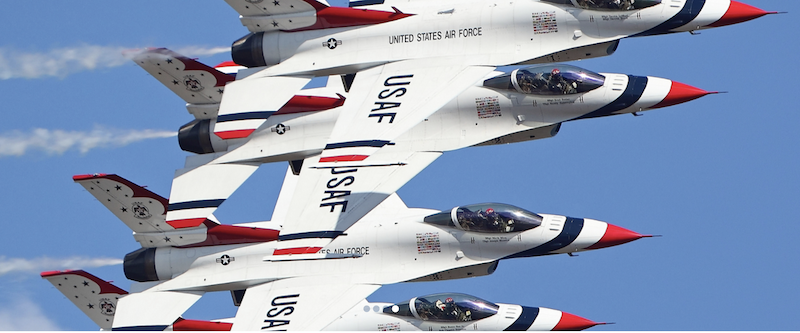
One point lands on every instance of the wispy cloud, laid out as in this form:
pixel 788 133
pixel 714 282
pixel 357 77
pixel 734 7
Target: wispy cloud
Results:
pixel 36 265
pixel 18 143
pixel 69 60
pixel 24 315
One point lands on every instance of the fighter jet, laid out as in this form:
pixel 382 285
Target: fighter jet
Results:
pixel 401 62
pixel 98 298
pixel 319 279
pixel 522 104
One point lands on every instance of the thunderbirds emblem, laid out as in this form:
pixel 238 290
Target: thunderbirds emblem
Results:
pixel 107 307
pixel 192 84
pixel 140 211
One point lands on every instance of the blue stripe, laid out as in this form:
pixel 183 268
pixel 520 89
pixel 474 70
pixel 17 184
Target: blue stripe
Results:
pixel 141 328
pixel 313 234
pixel 195 204
pixel 244 116
pixel 688 13
pixel 350 144
pixel 572 228
pixel 525 319
pixel 630 96
pixel 365 3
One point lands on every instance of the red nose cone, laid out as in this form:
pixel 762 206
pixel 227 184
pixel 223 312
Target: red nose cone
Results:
pixel 738 13
pixel 615 236
pixel 571 322
pixel 680 93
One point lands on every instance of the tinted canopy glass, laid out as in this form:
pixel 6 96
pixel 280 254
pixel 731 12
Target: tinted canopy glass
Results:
pixel 548 80
pixel 444 307
pixel 608 5
pixel 487 217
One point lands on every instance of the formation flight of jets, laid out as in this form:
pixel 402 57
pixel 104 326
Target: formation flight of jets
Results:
pixel 402 82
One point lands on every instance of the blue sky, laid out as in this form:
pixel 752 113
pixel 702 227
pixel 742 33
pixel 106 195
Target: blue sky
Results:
pixel 717 177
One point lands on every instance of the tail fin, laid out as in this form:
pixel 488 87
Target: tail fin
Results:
pixel 95 297
pixel 98 300
pixel 200 85
pixel 144 212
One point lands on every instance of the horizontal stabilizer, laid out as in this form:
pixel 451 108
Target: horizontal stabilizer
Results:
pixel 137 207
pixel 95 297
pixel 144 212
pixel 196 83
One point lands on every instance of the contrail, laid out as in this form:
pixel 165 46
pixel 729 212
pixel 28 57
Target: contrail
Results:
pixel 56 142
pixel 61 62
pixel 14 265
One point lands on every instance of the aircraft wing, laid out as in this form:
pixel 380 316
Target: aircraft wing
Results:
pixel 360 165
pixel 299 304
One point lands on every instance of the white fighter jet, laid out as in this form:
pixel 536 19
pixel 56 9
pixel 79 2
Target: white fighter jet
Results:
pixel 97 299
pixel 401 61
pixel 418 79
pixel 316 284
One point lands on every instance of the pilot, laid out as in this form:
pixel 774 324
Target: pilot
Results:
pixel 556 82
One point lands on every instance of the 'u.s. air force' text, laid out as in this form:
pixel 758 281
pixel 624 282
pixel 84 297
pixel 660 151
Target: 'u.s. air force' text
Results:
pixel 436 35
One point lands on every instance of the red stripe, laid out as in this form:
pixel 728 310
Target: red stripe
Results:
pixel 338 17
pixel 222 234
pixel 199 325
pixel 300 103
pixel 82 177
pixel 343 158
pixel 296 250
pixel 237 134
pixel 105 287
pixel 227 64
pixel 186 223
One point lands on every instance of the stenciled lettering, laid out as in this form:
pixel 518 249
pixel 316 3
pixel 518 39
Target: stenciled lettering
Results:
pixel 381 105
pixel 281 307
pixel 334 193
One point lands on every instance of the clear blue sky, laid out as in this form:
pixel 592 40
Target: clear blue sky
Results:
pixel 717 177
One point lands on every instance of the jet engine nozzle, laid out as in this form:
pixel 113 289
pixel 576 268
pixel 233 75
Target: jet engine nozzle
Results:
pixel 196 137
pixel 140 265
pixel 248 51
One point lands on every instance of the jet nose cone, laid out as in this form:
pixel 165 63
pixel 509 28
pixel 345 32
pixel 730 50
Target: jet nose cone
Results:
pixel 571 322
pixel 738 13
pixel 615 235
pixel 681 93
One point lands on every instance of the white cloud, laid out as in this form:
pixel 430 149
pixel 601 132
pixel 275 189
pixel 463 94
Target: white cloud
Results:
pixel 24 315
pixel 61 62
pixel 36 265
pixel 17 143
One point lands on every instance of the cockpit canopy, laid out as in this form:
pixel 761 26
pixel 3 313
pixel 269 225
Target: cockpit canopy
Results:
pixel 445 307
pixel 487 217
pixel 548 80
pixel 608 5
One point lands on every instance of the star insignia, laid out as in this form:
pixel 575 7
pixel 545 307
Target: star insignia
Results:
pixel 175 82
pixel 166 239
pixel 276 3
pixel 124 210
pixel 274 24
pixel 118 187
pixel 85 283
pixel 169 61
pixel 91 306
